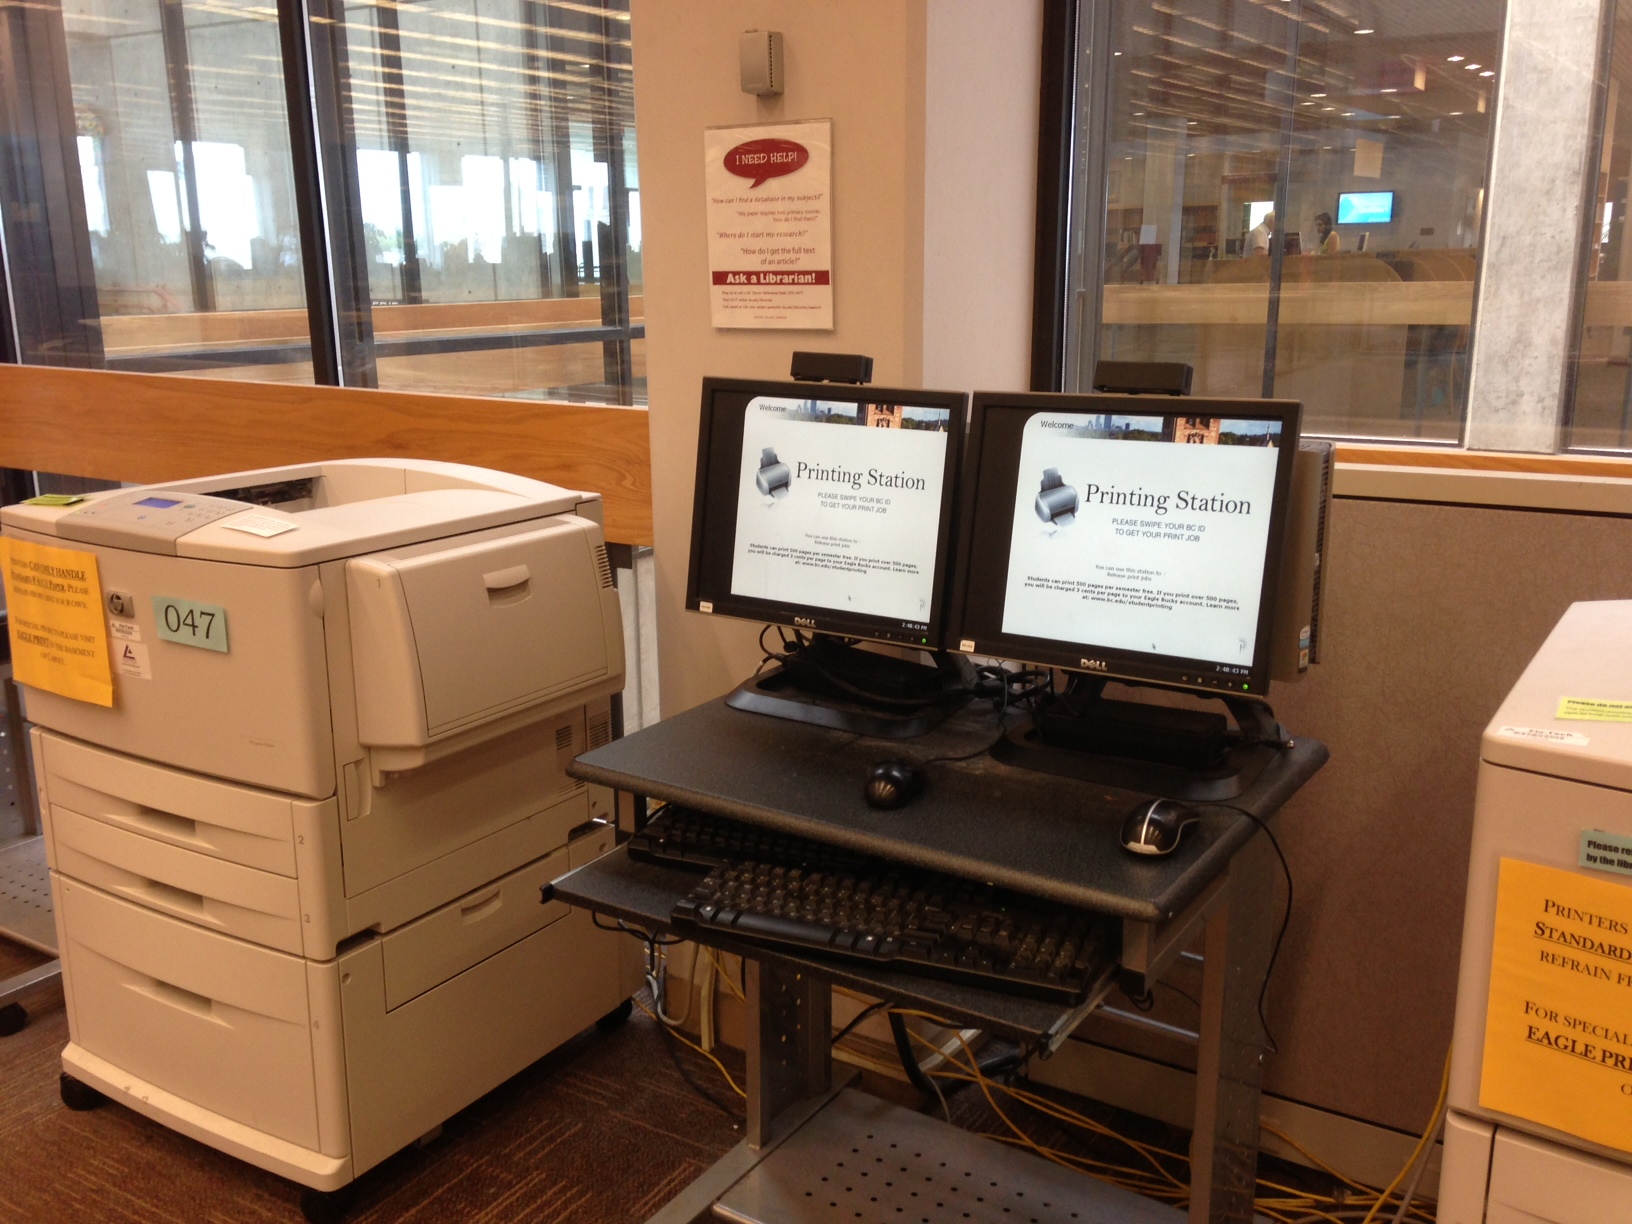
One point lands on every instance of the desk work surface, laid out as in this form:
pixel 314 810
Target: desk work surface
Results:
pixel 644 893
pixel 1048 836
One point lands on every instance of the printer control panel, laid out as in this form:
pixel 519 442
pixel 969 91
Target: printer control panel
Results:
pixel 145 520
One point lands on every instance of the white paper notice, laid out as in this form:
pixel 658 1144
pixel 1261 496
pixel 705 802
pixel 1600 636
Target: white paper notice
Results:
pixel 770 207
pixel 260 524
pixel 130 659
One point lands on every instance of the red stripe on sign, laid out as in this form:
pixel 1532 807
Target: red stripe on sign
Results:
pixel 764 276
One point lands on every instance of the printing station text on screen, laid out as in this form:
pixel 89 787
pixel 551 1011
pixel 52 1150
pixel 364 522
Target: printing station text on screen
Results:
pixel 839 506
pixel 1128 536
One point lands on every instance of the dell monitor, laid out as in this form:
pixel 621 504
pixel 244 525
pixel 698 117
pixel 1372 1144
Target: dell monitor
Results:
pixel 1130 538
pixel 827 510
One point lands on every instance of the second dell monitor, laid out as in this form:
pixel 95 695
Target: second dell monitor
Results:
pixel 1130 536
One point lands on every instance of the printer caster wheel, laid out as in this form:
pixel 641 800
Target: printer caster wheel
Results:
pixel 616 1018
pixel 78 1096
pixel 326 1206
pixel 12 1019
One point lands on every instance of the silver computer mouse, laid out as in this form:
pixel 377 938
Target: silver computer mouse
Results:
pixel 1156 827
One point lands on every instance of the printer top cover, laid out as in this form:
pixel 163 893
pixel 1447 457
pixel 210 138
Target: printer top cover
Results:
pixel 303 514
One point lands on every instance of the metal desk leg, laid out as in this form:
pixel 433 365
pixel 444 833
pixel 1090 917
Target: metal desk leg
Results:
pixel 789 1079
pixel 790 1019
pixel 1229 1065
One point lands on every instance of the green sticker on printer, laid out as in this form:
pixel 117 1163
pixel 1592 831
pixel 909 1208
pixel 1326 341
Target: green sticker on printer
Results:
pixel 191 624
pixel 1606 851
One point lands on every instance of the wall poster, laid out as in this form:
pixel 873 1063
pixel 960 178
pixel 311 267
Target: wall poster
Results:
pixel 770 209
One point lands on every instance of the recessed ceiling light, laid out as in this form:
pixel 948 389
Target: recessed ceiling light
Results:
pixel 1137 114
pixel 1321 95
pixel 1116 53
pixel 1388 91
pixel 1190 122
pixel 1470 67
pixel 1487 72
pixel 1455 59
pixel 1365 31
pixel 1456 112
pixel 1395 116
pixel 1305 103
pixel 1327 108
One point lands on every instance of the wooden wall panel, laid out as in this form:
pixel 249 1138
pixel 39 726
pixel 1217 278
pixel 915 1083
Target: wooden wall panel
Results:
pixel 151 427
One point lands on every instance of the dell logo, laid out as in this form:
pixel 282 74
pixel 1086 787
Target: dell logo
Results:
pixel 1095 665
pixel 805 622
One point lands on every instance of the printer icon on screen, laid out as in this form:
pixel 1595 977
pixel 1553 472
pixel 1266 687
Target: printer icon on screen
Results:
pixel 773 477
pixel 1056 500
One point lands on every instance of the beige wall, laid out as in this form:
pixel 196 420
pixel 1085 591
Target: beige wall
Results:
pixel 934 144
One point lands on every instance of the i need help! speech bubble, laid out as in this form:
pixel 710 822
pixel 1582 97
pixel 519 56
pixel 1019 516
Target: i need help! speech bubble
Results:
pixel 767 158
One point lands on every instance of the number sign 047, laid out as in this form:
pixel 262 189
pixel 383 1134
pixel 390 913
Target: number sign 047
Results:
pixel 191 624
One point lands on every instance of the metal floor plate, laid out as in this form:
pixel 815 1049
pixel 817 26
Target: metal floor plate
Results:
pixel 864 1159
pixel 25 896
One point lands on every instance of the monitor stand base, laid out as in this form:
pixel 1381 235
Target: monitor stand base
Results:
pixel 815 685
pixel 1185 754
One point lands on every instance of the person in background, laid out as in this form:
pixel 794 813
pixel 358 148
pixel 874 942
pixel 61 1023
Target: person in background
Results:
pixel 1326 242
pixel 1258 236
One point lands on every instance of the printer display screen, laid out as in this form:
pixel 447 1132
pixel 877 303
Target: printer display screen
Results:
pixel 160 503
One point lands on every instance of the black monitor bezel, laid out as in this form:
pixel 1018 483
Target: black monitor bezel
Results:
pixel 713 527
pixel 975 618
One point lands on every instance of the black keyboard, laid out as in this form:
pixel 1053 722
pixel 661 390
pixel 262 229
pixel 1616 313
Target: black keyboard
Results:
pixel 817 899
pixel 684 837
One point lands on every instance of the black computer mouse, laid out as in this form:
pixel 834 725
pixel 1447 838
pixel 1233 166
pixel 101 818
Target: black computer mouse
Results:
pixel 892 784
pixel 1155 827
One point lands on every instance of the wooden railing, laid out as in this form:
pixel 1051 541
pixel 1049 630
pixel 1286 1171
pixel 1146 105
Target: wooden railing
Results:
pixel 152 427
pixel 1484 461
pixel 127 335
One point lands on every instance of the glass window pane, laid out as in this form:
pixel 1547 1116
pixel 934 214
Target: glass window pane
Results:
pixel 495 155
pixel 1370 138
pixel 1599 415
pixel 183 160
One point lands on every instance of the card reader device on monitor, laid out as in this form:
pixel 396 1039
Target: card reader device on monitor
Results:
pixel 826 510
pixel 297 863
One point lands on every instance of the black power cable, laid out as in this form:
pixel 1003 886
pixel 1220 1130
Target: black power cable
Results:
pixel 1286 917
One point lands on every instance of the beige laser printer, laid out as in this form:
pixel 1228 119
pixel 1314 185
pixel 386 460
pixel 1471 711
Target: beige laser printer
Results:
pixel 297 865
pixel 1539 1120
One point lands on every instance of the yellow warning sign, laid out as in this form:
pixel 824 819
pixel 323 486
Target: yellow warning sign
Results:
pixel 1558 1035
pixel 59 640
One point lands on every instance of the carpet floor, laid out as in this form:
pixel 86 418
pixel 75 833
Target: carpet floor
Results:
pixel 603 1131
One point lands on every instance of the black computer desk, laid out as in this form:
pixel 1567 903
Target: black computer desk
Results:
pixel 1042 835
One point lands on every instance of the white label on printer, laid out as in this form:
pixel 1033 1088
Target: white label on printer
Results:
pixel 130 659
pixel 260 524
pixel 1546 735
pixel 128 630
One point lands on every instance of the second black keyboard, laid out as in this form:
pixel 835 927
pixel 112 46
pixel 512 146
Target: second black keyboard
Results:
pixel 837 904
